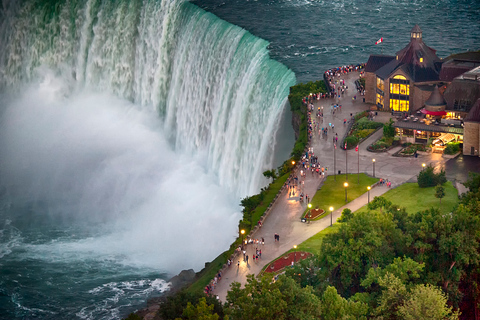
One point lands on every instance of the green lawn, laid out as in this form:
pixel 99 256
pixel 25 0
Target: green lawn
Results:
pixel 414 199
pixel 332 193
pixel 269 196
pixel 314 243
pixel 408 195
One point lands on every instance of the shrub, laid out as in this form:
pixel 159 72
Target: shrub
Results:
pixel 427 178
pixel 452 148
pixel 351 141
pixel 389 130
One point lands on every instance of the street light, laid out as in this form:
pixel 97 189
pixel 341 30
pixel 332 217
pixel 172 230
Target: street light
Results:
pixel 373 161
pixel 368 188
pixel 295 254
pixel 345 185
pixel 424 165
pixel 309 212
pixel 331 216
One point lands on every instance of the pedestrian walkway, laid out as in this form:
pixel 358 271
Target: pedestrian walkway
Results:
pixel 284 219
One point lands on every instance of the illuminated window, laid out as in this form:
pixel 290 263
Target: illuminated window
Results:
pixel 380 84
pixel 399 76
pixel 380 100
pixel 421 59
pixel 399 105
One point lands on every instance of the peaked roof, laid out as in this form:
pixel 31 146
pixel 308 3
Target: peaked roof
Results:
pixel 474 114
pixel 436 99
pixel 417 60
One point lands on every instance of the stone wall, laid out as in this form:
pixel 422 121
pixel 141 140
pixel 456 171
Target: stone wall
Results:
pixel 471 137
pixel 370 87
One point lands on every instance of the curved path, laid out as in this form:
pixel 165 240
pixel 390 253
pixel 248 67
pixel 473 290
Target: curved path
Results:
pixel 284 219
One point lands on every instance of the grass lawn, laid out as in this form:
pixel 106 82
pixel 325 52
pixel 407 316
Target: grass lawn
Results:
pixel 314 243
pixel 414 199
pixel 332 193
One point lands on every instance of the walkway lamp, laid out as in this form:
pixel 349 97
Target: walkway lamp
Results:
pixel 331 216
pixel 368 188
pixel 345 184
pixel 295 254
pixel 423 165
pixel 373 161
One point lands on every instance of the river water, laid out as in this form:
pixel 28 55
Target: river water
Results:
pixel 130 130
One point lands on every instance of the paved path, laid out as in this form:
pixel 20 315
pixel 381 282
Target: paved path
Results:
pixel 284 219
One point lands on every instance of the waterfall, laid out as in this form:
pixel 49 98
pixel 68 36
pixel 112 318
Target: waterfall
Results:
pixel 129 131
pixel 212 83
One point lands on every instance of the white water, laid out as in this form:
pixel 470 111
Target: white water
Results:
pixel 141 124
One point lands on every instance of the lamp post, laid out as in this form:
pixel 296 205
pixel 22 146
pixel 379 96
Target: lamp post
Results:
pixel 373 161
pixel 309 212
pixel 423 165
pixel 295 254
pixel 368 188
pixel 331 216
pixel 242 232
pixel 345 184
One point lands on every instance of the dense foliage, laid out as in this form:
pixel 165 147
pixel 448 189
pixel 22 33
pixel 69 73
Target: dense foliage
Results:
pixel 361 129
pixel 428 178
pixel 452 148
pixel 299 109
pixel 383 263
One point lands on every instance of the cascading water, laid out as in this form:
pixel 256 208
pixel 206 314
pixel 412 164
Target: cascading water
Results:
pixel 129 131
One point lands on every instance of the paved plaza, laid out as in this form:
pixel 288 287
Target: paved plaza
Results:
pixel 284 219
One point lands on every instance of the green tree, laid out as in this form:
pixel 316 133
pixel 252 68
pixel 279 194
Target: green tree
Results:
pixel 439 192
pixel 473 182
pixel 426 302
pixel 428 178
pixel 264 300
pixel 347 214
pixel 201 311
pixel 270 174
pixel 388 129
pixel 335 307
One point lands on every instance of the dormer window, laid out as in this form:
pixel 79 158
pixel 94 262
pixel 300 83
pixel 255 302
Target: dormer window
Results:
pixel 421 60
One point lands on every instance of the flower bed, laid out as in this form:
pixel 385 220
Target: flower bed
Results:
pixel 285 261
pixel 361 129
pixel 314 213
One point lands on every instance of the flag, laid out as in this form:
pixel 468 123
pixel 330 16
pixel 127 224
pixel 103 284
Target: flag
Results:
pixel 356 148
pixel 379 40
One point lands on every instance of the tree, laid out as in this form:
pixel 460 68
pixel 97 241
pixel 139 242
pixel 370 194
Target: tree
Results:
pixel 335 307
pixel 264 300
pixel 473 182
pixel 428 178
pixel 388 129
pixel 347 214
pixel 426 302
pixel 439 192
pixel 270 174
pixel 201 311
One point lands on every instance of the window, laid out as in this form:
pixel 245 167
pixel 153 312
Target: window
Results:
pixel 399 105
pixel 380 84
pixel 380 100
pixel 421 59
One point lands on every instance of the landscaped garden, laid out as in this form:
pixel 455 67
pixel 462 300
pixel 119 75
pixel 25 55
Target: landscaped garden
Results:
pixel 332 193
pixel 409 149
pixel 361 129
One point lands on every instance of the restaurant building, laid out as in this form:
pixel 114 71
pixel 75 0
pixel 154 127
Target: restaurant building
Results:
pixel 432 99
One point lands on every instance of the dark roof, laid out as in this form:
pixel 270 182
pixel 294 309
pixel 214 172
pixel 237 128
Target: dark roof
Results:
pixel 436 99
pixel 471 56
pixel 416 29
pixel 375 62
pixel 461 94
pixel 453 68
pixel 409 61
pixel 424 127
pixel 474 114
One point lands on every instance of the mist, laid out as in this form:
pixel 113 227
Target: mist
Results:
pixel 101 167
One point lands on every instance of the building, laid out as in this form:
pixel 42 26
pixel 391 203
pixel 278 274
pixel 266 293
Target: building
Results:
pixel 432 98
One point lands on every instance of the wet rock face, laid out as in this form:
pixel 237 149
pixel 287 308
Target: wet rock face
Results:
pixel 184 278
pixel 296 122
